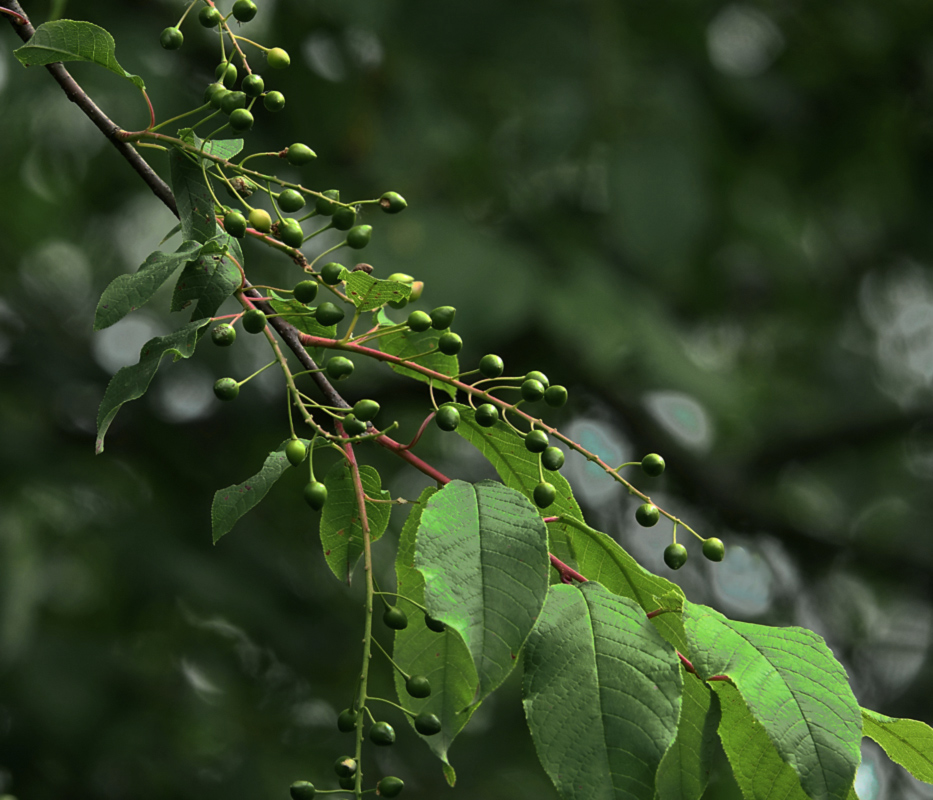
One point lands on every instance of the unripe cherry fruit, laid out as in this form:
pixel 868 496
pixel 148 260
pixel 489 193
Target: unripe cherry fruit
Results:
pixel 390 786
pixel 299 154
pixel 392 203
pixel 555 396
pixel 449 343
pixel 315 495
pixel 714 549
pixel 447 418
pixel 535 375
pixel 226 73
pixel 353 426
pixel 211 90
pixel 241 120
pixel 552 459
pixel 675 555
pixel 647 515
pixel 171 38
pixel 442 317
pixel 290 232
pixel 358 236
pixel 332 273
pixel 328 314
pixel 491 366
pixel 346 721
pixel 536 441
pixel 260 219
pixel 419 321
pixel 301 790
pixel 349 784
pixel 434 624
pixel 532 390
pixel 344 218
pixel 345 767
pixel 427 724
pixel 382 733
pixel 365 410
pixel 486 415
pixel 305 291
pixel 252 85
pixel 395 618
pixel 223 335
pixel 226 389
pixel 254 321
pixel 418 686
pixel 277 58
pixel 235 224
pixel 339 368
pixel 210 17
pixel 244 10
pixel 233 101
pixel 652 465
pixel 544 494
pixel 274 101
pixel 296 451
pixel 325 205
pixel 290 200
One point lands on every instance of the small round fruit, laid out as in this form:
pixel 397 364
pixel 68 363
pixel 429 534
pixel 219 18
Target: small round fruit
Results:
pixel 358 236
pixel 277 58
pixel 290 233
pixel 347 783
pixel 419 321
pixel 536 441
pixel 210 17
pixel 344 218
pixel 353 426
pixel 241 119
pixel 301 790
pixel 491 366
pixel 315 495
pixel 345 767
pixel 226 73
pixel 216 98
pixel 211 90
pixel 325 205
pixel 390 786
pixel 395 618
pixel 299 154
pixel 235 224
pixel 486 415
pixel 392 203
pixel 346 721
pixel 447 418
pixel 555 396
pixel 401 277
pixel 226 389
pixel 449 344
pixel 714 549
pixel 382 733
pixel 332 273
pixel 532 390
pixel 328 314
pixel 442 317
pixel 339 368
pixel 253 85
pixel 305 291
pixel 296 451
pixel 534 375
pixel 647 515
pixel 254 321
pixel 223 335
pixel 652 465
pixel 244 10
pixel 552 459
pixel 290 200
pixel 434 624
pixel 233 101
pixel 427 724
pixel 274 101
pixel 171 38
pixel 544 494
pixel 418 686
pixel 260 219
pixel 675 555
pixel 365 410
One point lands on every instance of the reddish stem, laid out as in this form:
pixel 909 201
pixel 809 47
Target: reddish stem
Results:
pixel 19 17
pixel 420 432
pixel 567 574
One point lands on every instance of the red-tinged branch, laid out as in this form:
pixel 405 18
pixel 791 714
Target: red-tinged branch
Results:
pixel 567 574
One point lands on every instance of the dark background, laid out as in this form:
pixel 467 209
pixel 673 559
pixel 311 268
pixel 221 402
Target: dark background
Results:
pixel 711 221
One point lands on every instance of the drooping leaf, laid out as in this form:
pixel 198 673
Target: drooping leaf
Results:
pixel 132 382
pixel 405 343
pixel 793 686
pixel 482 550
pixel 907 742
pixel 192 197
pixel 685 768
pixel 211 278
pixel 126 293
pixel 71 40
pixel 602 694
pixel 368 293
pixel 341 527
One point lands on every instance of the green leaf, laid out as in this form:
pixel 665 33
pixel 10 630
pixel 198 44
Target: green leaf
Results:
pixel 126 293
pixel 906 741
pixel 602 694
pixel 341 530
pixel 482 550
pixel 405 343
pixel 301 317
pixel 211 278
pixel 793 686
pixel 685 768
pixel 192 197
pixel 442 657
pixel 368 293
pixel 70 40
pixel 132 382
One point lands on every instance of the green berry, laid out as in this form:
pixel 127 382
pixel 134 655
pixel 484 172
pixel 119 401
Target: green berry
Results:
pixel 532 390
pixel 365 410
pixel 301 790
pixel 171 38
pixel 290 232
pixel 290 200
pixel 226 389
pixel 552 459
pixel 395 618
pixel 675 555
pixel 235 224
pixel 419 321
pixel 392 203
pixel 226 73
pixel 274 101
pixel 332 273
pixel 216 98
pixel 315 495
pixel 714 549
pixel 296 451
pixel 647 515
pixel 344 218
pixel 244 10
pixel 544 494
pixel 223 335
pixel 210 17
pixel 241 119
pixel 382 733
pixel 277 58
pixel 555 396
pixel 260 220
pixel 345 767
pixel 328 314
pixel 390 786
pixel 211 90
pixel 299 154
pixel 346 721
pixel 486 415
pixel 447 418
pixel 253 85
pixel 491 366
pixel 449 344
pixel 305 291
pixel 339 368
pixel 418 686
pixel 358 236
pixel 254 321
pixel 416 289
pixel 353 426
pixel 233 101
pixel 652 465
pixel 442 317
pixel 347 783
pixel 434 624
pixel 325 205
pixel 534 375
pixel 536 441
pixel 427 724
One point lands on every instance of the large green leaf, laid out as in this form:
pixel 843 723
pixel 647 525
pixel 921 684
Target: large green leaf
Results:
pixel 907 742
pixel 793 686
pixel 482 550
pixel 132 382
pixel 368 293
pixel 192 197
pixel 405 343
pixel 211 278
pixel 602 694
pixel 685 768
pixel 341 528
pixel 126 293
pixel 442 657
pixel 71 40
